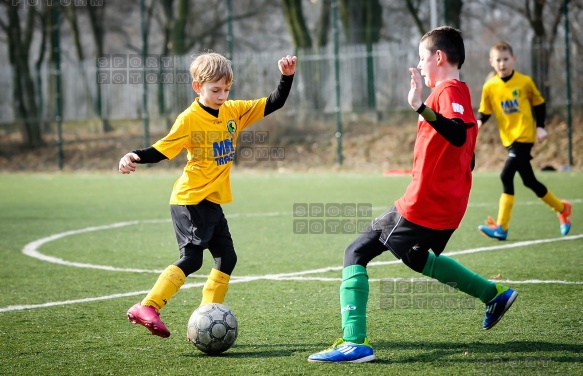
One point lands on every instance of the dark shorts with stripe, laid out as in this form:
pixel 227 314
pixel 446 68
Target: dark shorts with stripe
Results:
pixel 520 151
pixel 199 227
pixel 203 225
pixel 406 240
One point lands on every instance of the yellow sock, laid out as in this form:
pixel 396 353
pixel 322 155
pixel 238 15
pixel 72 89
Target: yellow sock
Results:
pixel 168 283
pixel 215 288
pixel 551 200
pixel 505 210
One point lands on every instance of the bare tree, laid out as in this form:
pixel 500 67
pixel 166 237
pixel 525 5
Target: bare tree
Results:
pixel 323 25
pixel 24 92
pixel 71 15
pixel 453 13
pixel 97 23
pixel 166 21
pixel 362 20
pixel 179 36
pixel 414 7
pixel 296 22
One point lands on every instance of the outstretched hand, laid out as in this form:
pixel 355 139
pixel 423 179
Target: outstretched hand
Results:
pixel 126 163
pixel 287 65
pixel 414 97
pixel 541 134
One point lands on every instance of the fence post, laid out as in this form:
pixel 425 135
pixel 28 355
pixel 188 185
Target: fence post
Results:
pixel 337 83
pixel 568 84
pixel 145 114
pixel 58 90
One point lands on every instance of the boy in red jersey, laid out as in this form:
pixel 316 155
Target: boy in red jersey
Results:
pixel 208 130
pixel 512 98
pixel 433 205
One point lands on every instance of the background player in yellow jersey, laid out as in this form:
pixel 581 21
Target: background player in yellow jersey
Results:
pixel 208 130
pixel 512 98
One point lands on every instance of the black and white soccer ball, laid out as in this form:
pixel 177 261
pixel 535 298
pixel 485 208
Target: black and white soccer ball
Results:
pixel 212 328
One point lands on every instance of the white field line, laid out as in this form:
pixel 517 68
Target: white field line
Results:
pixel 505 281
pixel 31 249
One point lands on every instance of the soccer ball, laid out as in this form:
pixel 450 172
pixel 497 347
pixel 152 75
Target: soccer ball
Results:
pixel 212 328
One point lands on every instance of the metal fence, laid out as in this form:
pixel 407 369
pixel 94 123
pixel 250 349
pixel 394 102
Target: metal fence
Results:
pixel 376 80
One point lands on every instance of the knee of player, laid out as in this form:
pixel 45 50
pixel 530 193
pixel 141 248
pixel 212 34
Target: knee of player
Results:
pixel 415 259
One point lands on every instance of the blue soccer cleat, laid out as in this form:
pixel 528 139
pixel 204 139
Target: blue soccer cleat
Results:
pixel 344 351
pixel 493 230
pixel 498 306
pixel 565 218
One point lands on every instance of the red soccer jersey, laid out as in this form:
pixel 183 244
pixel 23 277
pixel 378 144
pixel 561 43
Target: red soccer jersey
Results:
pixel 438 195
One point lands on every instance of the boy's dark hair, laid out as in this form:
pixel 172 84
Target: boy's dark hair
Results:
pixel 503 46
pixel 449 40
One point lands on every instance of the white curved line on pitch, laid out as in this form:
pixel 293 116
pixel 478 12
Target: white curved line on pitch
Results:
pixel 297 276
pixel 454 253
pixel 31 249
pixel 108 297
pixel 249 279
pixel 506 281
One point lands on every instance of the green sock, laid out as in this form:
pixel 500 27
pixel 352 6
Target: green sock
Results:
pixel 449 271
pixel 353 298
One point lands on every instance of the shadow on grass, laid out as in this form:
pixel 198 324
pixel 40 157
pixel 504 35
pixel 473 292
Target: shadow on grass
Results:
pixel 525 353
pixel 250 351
pixel 519 353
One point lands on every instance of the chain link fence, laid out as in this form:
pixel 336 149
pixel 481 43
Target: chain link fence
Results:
pixel 374 81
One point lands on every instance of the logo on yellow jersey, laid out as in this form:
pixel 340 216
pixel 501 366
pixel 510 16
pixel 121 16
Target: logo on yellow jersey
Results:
pixel 510 106
pixel 232 126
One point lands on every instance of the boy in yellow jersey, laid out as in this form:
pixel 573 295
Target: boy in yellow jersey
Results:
pixel 208 130
pixel 512 98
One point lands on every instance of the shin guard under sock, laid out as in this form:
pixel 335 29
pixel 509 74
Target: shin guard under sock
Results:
pixel 551 200
pixel 353 299
pixel 215 288
pixel 168 283
pixel 449 271
pixel 505 210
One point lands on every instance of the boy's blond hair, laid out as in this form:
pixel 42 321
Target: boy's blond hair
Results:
pixel 502 46
pixel 211 67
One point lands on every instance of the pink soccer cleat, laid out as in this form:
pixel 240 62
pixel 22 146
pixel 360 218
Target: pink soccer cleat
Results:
pixel 150 318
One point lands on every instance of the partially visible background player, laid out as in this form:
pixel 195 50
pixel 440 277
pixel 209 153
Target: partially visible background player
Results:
pixel 512 97
pixel 208 130
pixel 433 205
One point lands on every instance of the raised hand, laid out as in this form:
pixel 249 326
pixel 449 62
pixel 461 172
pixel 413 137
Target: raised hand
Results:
pixel 287 65
pixel 414 97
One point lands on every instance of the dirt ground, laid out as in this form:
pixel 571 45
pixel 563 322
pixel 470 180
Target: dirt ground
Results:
pixel 376 146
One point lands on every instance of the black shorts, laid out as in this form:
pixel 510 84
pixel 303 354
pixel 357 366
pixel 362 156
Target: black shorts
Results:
pixel 520 151
pixel 400 235
pixel 202 226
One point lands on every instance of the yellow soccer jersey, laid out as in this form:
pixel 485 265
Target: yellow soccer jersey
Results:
pixel 210 142
pixel 512 102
